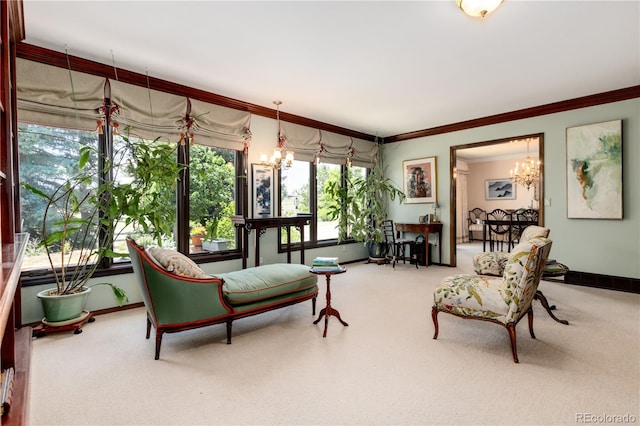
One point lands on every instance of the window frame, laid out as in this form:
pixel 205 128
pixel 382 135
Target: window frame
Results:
pixel 108 267
pixel 313 241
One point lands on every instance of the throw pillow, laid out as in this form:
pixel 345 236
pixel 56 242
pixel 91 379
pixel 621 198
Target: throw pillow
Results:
pixel 176 262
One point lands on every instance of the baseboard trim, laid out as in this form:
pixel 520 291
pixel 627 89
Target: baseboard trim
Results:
pixel 610 282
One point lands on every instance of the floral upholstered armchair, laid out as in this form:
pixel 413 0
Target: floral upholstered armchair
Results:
pixel 501 299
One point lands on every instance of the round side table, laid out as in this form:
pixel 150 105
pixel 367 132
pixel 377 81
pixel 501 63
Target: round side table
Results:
pixel 328 310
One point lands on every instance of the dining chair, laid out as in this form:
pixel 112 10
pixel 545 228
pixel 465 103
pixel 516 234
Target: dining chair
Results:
pixel 524 218
pixel 474 221
pixel 500 231
pixel 399 245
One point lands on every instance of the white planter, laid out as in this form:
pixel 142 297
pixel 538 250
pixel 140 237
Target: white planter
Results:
pixel 217 244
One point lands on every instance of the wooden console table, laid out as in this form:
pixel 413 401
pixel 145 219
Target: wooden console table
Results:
pixel 262 224
pixel 425 229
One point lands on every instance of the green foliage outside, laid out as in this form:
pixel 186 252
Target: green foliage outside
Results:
pixel 212 186
pixel 81 210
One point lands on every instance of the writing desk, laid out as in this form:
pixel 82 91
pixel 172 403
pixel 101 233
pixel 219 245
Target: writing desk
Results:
pixel 425 229
pixel 262 224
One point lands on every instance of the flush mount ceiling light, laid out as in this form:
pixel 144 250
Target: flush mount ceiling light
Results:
pixel 478 8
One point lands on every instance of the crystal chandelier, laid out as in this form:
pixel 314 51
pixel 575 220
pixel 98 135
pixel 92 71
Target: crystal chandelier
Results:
pixel 276 160
pixel 527 173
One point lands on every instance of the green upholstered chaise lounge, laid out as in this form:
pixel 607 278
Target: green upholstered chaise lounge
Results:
pixel 193 299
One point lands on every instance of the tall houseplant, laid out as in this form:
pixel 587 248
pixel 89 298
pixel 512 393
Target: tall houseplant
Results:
pixel 85 214
pixel 361 204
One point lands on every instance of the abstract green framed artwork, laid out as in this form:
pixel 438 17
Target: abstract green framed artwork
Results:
pixel 594 171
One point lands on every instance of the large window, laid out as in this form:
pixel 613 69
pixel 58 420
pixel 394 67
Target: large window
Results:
pixel 50 156
pixel 296 196
pixel 212 201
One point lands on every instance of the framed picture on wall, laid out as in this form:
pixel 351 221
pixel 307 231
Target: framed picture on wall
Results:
pixel 499 189
pixel 594 171
pixel 419 180
pixel 262 179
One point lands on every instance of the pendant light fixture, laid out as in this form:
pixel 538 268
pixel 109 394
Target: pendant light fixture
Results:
pixel 277 160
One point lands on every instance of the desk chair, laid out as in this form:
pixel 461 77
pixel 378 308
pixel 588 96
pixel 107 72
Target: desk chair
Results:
pixel 398 245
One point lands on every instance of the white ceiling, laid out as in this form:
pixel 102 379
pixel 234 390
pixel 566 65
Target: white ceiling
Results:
pixel 382 67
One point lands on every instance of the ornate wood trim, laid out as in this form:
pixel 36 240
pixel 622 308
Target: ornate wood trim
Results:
pixel 570 104
pixel 58 59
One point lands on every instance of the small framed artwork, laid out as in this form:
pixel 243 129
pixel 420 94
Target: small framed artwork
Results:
pixel 594 171
pixel 262 178
pixel 419 180
pixel 499 189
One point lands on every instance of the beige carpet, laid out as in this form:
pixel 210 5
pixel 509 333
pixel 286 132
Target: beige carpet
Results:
pixel 384 368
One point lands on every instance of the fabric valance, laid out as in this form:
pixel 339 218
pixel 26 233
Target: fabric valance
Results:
pixel 47 96
pixel 53 96
pixel 306 142
pixel 219 126
pixel 149 114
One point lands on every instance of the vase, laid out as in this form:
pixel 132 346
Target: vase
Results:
pixel 64 307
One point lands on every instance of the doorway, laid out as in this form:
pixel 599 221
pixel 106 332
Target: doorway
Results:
pixel 486 149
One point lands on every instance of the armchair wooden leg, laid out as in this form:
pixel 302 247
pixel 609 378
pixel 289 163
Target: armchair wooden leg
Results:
pixel 434 316
pixel 511 328
pixel 148 327
pixel 530 319
pixel 313 307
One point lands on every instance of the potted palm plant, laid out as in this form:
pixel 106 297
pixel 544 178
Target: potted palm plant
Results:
pixel 87 213
pixel 361 205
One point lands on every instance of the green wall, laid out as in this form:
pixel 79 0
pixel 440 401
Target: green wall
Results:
pixel 609 247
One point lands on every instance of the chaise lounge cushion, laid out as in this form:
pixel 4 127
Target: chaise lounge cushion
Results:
pixel 265 282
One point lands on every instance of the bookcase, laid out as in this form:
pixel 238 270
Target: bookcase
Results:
pixel 15 341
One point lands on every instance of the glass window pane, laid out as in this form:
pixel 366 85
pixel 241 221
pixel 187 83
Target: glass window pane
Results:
pixel 355 173
pixel 48 157
pixel 212 173
pixel 157 207
pixel 327 229
pixel 295 196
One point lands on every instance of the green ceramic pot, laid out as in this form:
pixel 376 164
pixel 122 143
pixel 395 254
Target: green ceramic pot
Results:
pixel 62 308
